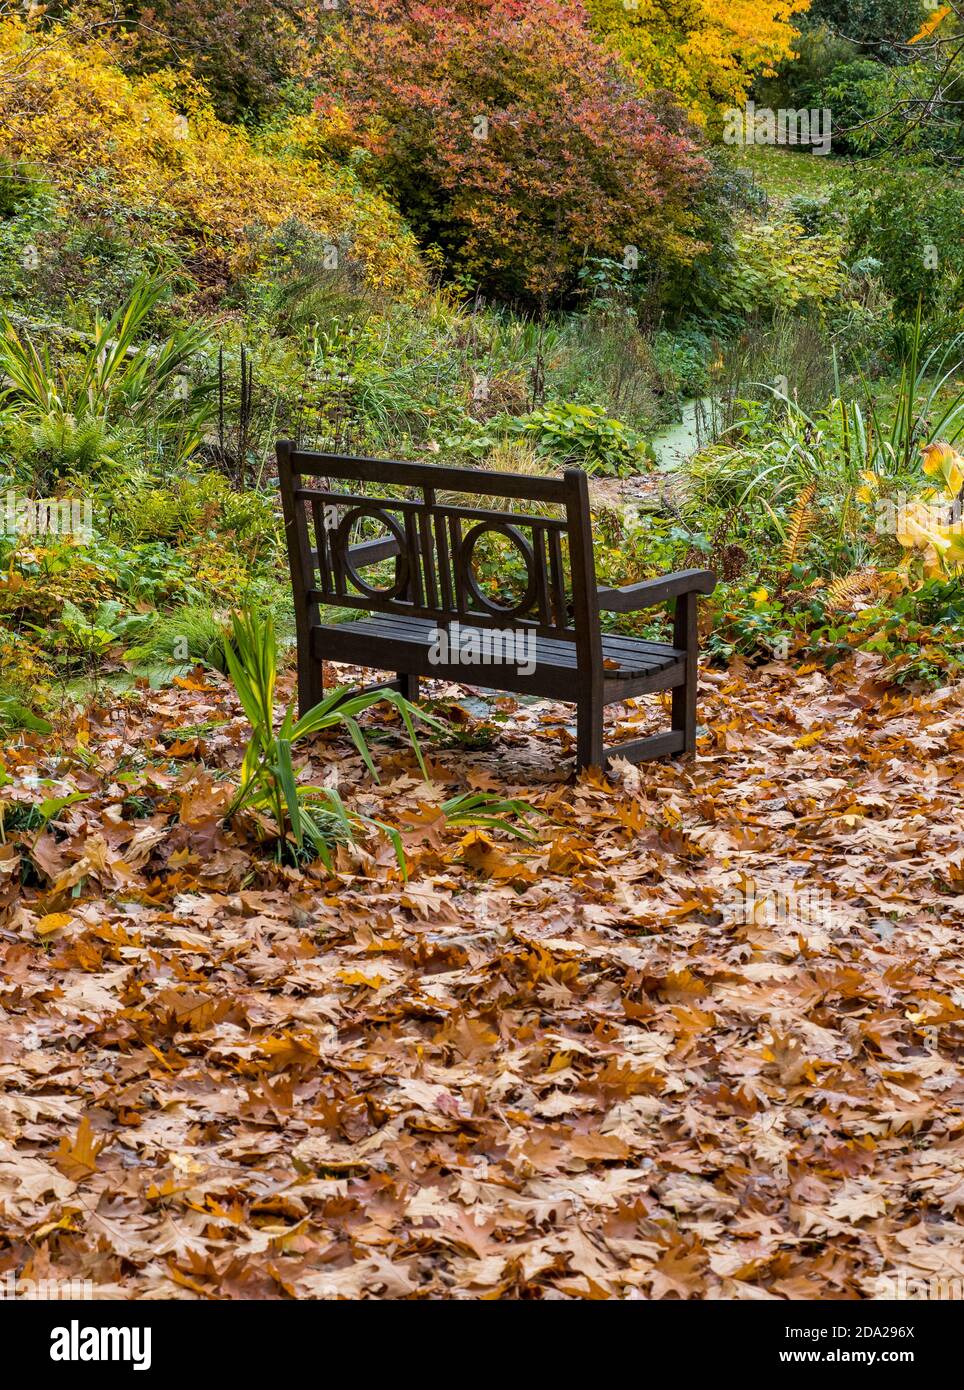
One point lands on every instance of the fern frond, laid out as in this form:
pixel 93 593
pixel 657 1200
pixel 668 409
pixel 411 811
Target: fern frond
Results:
pixel 847 588
pixel 798 527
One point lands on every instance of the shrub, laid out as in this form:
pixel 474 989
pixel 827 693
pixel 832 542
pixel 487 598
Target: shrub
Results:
pixel 852 92
pixel 910 223
pixel 510 139
pixel 40 450
pixel 191 507
pixel 154 144
pixel 563 432
pixel 919 631
pixel 776 266
pixel 177 641
pixel 80 640
pixel 245 53
pixel 683 360
pixel 77 397
pixel 871 22
pixel 583 435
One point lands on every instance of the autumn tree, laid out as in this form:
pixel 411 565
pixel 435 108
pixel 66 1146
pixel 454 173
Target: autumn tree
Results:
pixel 707 52
pixel 245 52
pixel 510 139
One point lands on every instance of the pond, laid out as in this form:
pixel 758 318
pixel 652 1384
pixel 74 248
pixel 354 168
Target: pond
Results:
pixel 677 442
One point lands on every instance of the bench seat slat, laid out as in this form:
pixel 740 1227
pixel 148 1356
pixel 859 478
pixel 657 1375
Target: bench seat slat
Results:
pixel 613 642
pixel 624 657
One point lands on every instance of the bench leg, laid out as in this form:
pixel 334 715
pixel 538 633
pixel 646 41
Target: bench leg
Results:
pixel 311 679
pixel 408 685
pixel 686 635
pixel 589 734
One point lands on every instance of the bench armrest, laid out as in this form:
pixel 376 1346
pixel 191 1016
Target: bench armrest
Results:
pixel 370 552
pixel 651 592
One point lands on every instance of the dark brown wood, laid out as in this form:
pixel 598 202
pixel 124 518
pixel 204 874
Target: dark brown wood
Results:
pixel 585 609
pixel 686 635
pixel 547 643
pixel 641 749
pixel 442 478
pixel 652 592
pixel 386 639
pixel 407 684
pixel 310 670
pixel 370 552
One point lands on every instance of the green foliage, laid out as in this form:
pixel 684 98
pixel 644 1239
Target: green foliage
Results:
pixel 20 186
pixel 853 92
pixel 600 357
pixel 149 573
pixel 112 380
pixel 876 23
pixel 582 435
pixel 777 267
pixel 562 433
pixel 481 809
pixel 194 505
pixel 41 450
pixel 246 54
pixel 789 260
pixel 81 640
pixel 920 632
pixel 683 360
pixel 818 50
pixel 751 624
pixel 909 221
pixel 14 715
pixel 174 642
pixel 781 450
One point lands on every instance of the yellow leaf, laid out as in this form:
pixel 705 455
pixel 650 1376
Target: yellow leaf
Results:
pixel 929 25
pixel 53 921
pixel 941 461
pixel 355 977
pixel 77 1158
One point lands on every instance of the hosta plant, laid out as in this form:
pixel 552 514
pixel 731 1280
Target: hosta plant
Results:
pixel 932 522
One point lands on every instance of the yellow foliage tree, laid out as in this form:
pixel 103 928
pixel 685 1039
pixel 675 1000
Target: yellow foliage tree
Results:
pixel 67 108
pixel 706 52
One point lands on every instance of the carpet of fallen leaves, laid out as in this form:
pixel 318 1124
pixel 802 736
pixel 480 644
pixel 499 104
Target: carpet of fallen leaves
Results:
pixel 576 1068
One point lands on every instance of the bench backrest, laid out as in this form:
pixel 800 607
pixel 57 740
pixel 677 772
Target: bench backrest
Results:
pixel 325 496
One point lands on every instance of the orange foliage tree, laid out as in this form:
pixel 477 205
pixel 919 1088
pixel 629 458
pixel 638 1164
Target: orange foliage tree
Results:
pixel 511 139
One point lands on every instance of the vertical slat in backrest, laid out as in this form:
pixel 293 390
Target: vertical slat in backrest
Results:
pixel 435 541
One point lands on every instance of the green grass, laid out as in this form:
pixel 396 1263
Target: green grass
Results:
pixel 784 173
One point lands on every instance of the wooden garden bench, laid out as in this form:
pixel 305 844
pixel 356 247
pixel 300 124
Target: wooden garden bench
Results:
pixel 435 592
